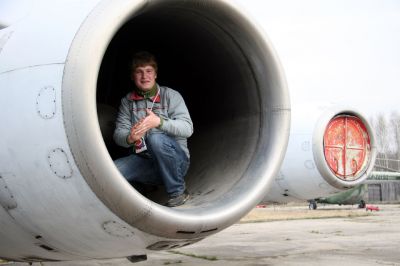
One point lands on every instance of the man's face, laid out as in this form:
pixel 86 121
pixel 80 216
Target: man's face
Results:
pixel 144 77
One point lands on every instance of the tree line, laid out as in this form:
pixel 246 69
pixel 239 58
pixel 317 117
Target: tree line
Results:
pixel 387 134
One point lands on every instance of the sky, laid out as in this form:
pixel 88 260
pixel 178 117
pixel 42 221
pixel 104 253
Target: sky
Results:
pixel 341 51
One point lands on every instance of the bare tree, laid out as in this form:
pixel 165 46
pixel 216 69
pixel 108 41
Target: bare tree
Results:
pixel 395 128
pixel 381 133
pixel 387 135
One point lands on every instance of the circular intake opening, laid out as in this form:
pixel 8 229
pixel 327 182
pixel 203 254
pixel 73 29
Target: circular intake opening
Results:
pixel 232 83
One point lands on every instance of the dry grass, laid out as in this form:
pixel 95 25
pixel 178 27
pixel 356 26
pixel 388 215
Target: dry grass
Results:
pixel 296 213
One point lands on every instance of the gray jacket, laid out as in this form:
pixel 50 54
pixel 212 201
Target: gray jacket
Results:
pixel 169 105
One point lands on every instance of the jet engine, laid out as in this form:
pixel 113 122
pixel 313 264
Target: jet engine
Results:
pixel 64 68
pixel 331 148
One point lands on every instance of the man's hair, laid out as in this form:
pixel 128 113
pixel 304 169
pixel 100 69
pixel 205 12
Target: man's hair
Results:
pixel 143 58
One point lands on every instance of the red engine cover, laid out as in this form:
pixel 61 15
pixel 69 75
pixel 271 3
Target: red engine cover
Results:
pixel 347 147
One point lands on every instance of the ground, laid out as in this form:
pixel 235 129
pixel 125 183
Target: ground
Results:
pixel 288 235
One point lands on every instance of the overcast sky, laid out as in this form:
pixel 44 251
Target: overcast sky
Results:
pixel 344 51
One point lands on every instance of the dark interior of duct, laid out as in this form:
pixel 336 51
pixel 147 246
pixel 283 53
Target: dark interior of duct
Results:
pixel 208 66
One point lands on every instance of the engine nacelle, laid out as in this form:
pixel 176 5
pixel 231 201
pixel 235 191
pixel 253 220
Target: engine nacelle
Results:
pixel 331 148
pixel 64 68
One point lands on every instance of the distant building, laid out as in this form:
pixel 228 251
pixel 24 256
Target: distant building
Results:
pixel 383 187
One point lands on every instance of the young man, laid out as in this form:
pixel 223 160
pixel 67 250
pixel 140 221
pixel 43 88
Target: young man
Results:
pixel 154 121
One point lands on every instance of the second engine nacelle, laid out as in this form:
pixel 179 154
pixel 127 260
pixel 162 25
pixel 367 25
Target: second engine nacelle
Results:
pixel 331 148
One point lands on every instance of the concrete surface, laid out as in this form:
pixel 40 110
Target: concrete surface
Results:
pixel 291 235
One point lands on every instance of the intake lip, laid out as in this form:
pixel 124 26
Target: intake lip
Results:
pixel 322 150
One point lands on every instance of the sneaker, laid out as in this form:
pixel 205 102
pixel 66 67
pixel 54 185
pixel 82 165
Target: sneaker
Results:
pixel 178 200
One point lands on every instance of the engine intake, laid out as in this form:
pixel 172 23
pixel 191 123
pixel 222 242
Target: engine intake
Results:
pixel 234 87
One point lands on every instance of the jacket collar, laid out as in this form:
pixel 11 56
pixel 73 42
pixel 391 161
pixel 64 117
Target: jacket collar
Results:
pixel 137 95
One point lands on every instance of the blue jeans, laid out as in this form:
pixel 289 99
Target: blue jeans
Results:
pixel 167 165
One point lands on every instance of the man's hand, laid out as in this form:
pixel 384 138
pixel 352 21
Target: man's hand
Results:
pixel 144 125
pixel 149 122
pixel 133 136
